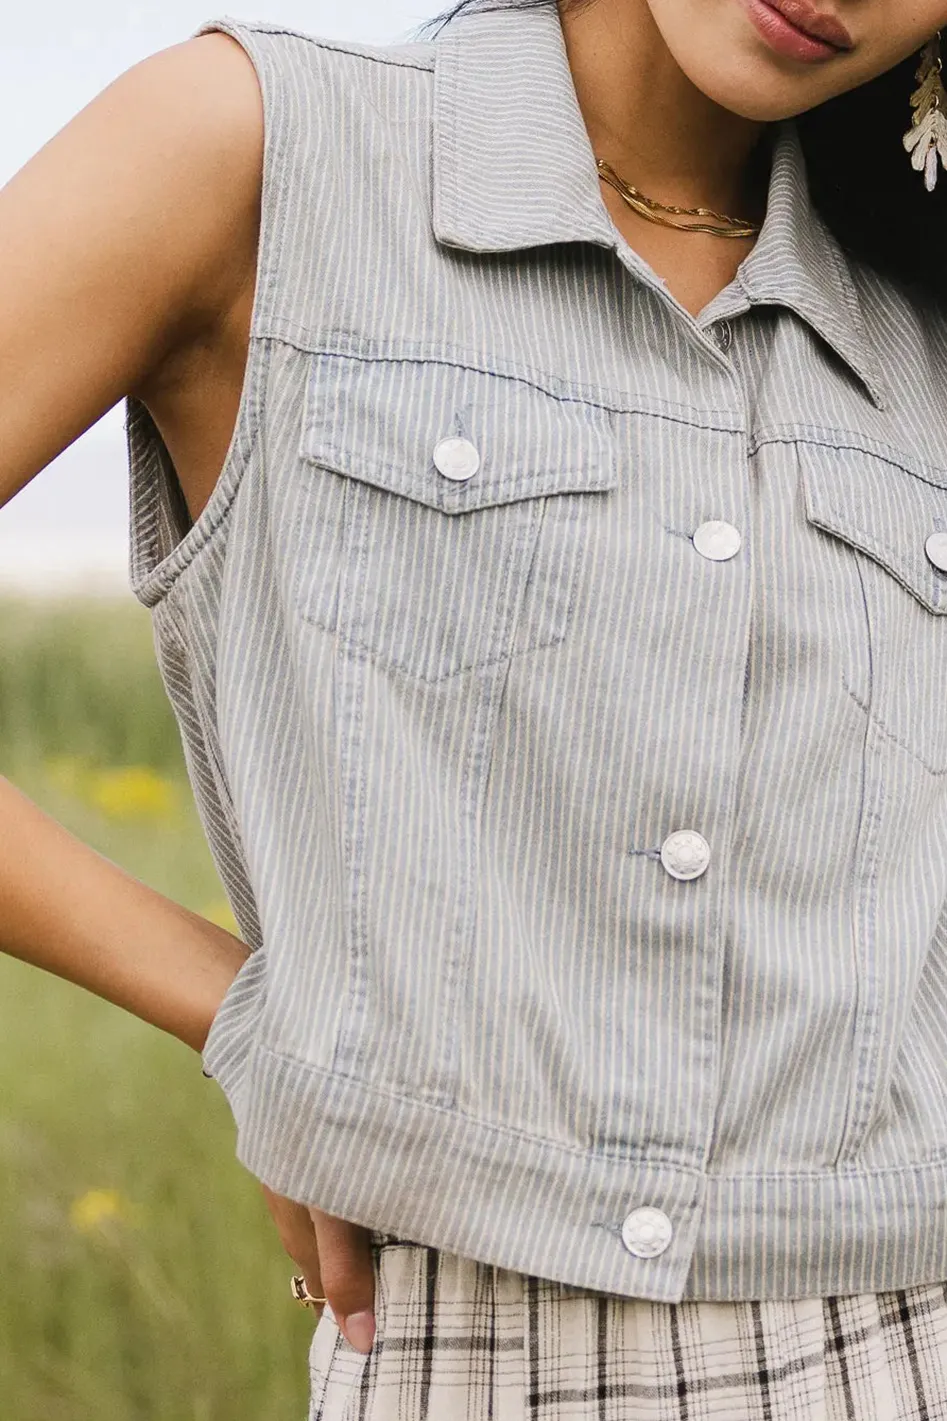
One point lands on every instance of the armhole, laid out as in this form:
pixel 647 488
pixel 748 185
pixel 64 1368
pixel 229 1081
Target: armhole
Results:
pixel 163 539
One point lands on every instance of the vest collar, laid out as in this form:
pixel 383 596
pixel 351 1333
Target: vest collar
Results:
pixel 513 168
pixel 797 263
pixel 513 164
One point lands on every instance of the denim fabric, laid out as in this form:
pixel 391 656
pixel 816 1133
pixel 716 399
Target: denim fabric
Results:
pixel 440 730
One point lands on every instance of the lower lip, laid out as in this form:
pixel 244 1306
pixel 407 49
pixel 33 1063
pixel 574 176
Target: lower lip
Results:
pixel 785 38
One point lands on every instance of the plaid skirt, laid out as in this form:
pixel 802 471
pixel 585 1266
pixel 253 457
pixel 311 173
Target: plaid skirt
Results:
pixel 458 1340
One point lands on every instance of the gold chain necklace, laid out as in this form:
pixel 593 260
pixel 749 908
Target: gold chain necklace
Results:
pixel 653 211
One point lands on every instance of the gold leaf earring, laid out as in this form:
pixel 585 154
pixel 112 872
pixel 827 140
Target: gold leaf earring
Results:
pixel 927 136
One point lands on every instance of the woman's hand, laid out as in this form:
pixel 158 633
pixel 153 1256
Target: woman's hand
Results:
pixel 335 1258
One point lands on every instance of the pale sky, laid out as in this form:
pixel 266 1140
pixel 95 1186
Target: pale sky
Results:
pixel 69 526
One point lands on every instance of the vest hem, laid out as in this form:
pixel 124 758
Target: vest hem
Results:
pixel 442 1179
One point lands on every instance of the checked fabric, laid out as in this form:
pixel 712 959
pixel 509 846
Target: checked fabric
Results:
pixel 459 1340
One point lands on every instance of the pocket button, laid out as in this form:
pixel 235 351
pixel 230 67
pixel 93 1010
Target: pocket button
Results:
pixel 456 459
pixel 718 541
pixel 936 549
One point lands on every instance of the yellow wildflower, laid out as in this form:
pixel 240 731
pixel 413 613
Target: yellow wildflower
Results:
pixel 134 792
pixel 97 1208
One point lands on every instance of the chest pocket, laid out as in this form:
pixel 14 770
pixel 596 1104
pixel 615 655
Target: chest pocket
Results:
pixel 892 517
pixel 447 511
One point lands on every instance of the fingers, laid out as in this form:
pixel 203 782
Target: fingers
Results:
pixel 348 1276
pixel 298 1237
pixel 336 1260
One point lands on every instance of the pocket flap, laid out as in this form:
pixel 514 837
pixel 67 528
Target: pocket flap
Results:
pixel 881 509
pixel 380 420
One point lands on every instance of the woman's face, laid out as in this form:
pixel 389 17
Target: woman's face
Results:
pixel 773 59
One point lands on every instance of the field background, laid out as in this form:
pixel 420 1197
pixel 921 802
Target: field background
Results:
pixel 140 1274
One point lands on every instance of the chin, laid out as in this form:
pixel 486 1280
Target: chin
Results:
pixel 759 92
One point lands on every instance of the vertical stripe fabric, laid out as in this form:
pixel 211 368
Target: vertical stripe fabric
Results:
pixel 453 739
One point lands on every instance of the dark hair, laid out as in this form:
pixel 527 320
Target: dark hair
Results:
pixel 860 177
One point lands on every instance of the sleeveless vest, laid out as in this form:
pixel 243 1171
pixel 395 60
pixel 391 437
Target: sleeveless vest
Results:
pixel 561 679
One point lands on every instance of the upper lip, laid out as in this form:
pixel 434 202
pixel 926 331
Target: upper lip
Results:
pixel 812 22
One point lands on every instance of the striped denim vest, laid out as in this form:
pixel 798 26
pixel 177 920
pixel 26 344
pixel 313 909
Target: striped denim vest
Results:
pixel 562 681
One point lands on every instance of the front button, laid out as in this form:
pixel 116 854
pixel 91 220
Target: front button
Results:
pixel 646 1232
pixel 456 458
pixel 936 549
pixel 685 854
pixel 718 541
pixel 722 333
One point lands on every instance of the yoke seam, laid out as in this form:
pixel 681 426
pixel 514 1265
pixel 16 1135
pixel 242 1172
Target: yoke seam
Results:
pixel 845 439
pixel 712 420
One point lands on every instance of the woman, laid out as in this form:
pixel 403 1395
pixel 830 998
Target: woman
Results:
pixel 539 476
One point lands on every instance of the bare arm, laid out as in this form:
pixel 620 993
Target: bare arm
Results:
pixel 122 242
pixel 66 909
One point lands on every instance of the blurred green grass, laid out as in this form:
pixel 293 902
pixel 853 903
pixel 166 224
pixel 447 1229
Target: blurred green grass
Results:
pixel 140 1276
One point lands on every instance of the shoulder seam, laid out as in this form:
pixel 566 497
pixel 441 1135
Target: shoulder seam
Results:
pixel 352 47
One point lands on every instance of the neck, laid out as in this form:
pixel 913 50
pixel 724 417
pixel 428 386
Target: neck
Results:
pixel 648 120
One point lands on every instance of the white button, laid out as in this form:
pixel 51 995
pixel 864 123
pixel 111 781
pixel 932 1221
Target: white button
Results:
pixel 456 458
pixel 936 549
pixel 718 541
pixel 646 1232
pixel 685 854
pixel 722 333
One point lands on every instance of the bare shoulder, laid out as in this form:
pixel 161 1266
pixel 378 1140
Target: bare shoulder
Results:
pixel 124 240
pixel 197 112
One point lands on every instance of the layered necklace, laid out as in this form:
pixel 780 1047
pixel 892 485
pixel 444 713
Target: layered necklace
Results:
pixel 702 219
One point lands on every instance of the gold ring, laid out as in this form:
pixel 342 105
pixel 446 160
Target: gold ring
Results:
pixel 302 1294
